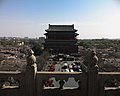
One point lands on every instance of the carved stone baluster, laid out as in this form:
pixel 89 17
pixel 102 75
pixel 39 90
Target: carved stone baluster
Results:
pixel 31 70
pixel 93 61
pixel 31 59
pixel 93 75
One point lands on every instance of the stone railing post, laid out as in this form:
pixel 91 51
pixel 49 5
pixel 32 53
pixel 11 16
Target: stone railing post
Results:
pixel 30 74
pixel 93 75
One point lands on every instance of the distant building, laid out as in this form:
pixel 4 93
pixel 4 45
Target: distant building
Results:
pixel 61 39
pixel 42 39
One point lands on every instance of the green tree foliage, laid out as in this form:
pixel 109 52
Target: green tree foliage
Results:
pixel 100 43
pixel 37 49
pixel 36 46
pixel 41 60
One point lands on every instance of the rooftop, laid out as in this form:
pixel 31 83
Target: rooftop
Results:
pixel 61 28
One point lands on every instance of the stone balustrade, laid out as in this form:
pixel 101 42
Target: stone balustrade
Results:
pixel 35 83
pixel 62 78
pixel 11 83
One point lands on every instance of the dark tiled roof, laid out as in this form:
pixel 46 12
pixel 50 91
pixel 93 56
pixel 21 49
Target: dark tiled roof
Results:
pixel 61 28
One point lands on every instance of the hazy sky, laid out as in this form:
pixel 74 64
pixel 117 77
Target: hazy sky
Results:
pixel 92 18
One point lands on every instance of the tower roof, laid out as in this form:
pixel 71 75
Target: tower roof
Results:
pixel 61 28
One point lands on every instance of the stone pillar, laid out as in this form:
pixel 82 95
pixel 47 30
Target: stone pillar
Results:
pixel 93 75
pixel 30 74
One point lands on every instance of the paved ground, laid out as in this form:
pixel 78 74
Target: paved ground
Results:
pixel 58 67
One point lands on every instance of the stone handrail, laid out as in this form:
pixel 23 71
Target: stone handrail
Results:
pixel 13 88
pixel 41 76
pixel 106 77
pixel 61 77
pixel 4 76
pixel 32 82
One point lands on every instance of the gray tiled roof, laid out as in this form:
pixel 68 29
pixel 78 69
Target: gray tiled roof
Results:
pixel 61 28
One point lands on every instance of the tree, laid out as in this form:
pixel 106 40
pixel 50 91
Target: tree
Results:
pixel 37 49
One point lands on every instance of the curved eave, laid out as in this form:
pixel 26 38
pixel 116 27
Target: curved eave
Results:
pixel 45 33
pixel 48 30
pixel 76 34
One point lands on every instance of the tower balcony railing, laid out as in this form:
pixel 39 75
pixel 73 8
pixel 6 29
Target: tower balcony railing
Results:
pixel 61 39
